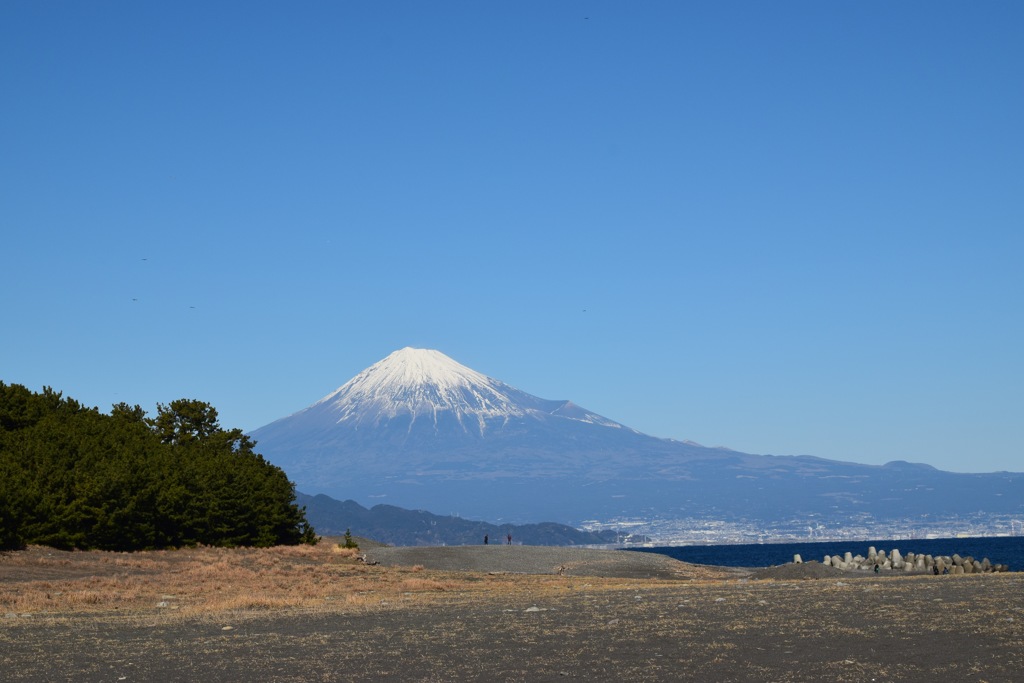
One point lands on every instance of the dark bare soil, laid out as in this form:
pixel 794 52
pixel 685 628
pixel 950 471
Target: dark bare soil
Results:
pixel 830 628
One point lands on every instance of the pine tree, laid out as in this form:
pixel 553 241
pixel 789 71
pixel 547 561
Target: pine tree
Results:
pixel 71 477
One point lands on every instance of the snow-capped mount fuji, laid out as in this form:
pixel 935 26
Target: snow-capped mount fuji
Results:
pixel 426 386
pixel 419 430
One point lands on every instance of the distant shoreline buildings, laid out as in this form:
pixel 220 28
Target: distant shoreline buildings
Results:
pixel 703 531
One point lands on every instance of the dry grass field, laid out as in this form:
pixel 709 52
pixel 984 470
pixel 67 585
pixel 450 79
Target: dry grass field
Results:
pixel 318 613
pixel 210 583
pixel 197 583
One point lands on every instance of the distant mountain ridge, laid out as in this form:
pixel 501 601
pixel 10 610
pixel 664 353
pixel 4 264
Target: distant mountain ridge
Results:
pixel 419 430
pixel 398 526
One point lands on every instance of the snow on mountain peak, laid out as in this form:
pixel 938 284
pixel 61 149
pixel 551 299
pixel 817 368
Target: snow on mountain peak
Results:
pixel 422 383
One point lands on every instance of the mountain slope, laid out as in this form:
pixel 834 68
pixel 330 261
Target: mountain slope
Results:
pixel 417 413
pixel 419 430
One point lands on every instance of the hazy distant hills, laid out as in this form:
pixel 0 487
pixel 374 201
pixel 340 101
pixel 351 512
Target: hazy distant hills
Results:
pixel 418 430
pixel 398 526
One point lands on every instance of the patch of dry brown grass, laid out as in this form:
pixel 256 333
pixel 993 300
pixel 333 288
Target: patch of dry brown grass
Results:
pixel 188 580
pixel 210 581
pixel 417 584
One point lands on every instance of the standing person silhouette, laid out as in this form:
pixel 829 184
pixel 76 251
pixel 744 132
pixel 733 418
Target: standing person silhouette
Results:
pixel 485 539
pixel 509 538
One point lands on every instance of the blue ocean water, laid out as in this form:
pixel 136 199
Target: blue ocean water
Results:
pixel 1007 550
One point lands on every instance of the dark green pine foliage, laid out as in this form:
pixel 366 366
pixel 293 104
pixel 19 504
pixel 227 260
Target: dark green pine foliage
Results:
pixel 71 477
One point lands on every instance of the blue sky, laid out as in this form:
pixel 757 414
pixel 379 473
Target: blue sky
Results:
pixel 789 228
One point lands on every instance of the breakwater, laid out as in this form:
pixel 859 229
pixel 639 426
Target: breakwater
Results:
pixel 1008 550
pixel 881 561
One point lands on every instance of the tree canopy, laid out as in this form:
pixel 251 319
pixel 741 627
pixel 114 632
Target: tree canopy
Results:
pixel 72 477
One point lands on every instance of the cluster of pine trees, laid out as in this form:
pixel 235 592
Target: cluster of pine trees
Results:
pixel 73 477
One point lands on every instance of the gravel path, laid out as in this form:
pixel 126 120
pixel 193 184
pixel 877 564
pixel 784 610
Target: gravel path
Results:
pixel 569 561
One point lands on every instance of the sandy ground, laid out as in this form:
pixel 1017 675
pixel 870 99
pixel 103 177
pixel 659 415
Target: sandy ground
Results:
pixel 602 618
pixel 514 559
